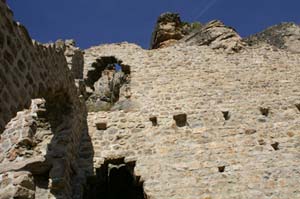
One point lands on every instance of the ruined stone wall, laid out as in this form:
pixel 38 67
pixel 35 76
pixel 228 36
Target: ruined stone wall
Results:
pixel 241 134
pixel 192 120
pixel 28 69
pixel 42 117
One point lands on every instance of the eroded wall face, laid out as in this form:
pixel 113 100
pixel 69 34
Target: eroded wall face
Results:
pixel 201 124
pixel 42 117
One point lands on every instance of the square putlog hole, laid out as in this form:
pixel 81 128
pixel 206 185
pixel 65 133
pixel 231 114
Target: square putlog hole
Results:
pixel 275 146
pixel 221 169
pixel 101 126
pixel 153 120
pixel 264 111
pixel 226 115
pixel 180 119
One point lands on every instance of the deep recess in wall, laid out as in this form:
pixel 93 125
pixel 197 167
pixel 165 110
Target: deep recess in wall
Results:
pixel 115 180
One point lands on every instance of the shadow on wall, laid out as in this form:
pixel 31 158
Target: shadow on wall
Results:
pixel 46 151
pixel 70 152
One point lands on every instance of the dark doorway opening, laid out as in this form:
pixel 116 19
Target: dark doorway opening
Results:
pixel 115 180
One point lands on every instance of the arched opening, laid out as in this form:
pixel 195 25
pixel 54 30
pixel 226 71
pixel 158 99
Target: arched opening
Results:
pixel 115 180
pixel 107 82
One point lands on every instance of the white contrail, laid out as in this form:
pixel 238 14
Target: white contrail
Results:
pixel 206 8
pixel 198 8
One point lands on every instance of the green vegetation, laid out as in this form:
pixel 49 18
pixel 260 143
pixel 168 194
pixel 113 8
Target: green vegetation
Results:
pixel 195 25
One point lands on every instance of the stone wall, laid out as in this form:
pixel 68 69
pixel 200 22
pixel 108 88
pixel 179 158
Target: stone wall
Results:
pixel 42 116
pixel 190 120
pixel 74 57
pixel 241 134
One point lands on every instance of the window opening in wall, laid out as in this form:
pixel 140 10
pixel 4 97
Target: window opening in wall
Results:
pixel 115 179
pixel 180 119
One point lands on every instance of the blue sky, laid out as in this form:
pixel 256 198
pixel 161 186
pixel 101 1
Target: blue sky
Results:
pixel 93 22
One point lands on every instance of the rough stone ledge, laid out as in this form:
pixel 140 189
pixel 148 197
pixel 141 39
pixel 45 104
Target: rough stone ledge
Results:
pixel 24 164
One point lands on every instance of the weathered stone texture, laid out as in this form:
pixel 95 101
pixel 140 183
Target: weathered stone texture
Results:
pixel 42 117
pixel 74 57
pixel 28 70
pixel 216 35
pixel 188 120
pixel 168 29
pixel 283 36
pixel 241 138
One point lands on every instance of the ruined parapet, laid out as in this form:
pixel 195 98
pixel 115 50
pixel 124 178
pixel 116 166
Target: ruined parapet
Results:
pixel 74 57
pixel 75 61
pixel 284 36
